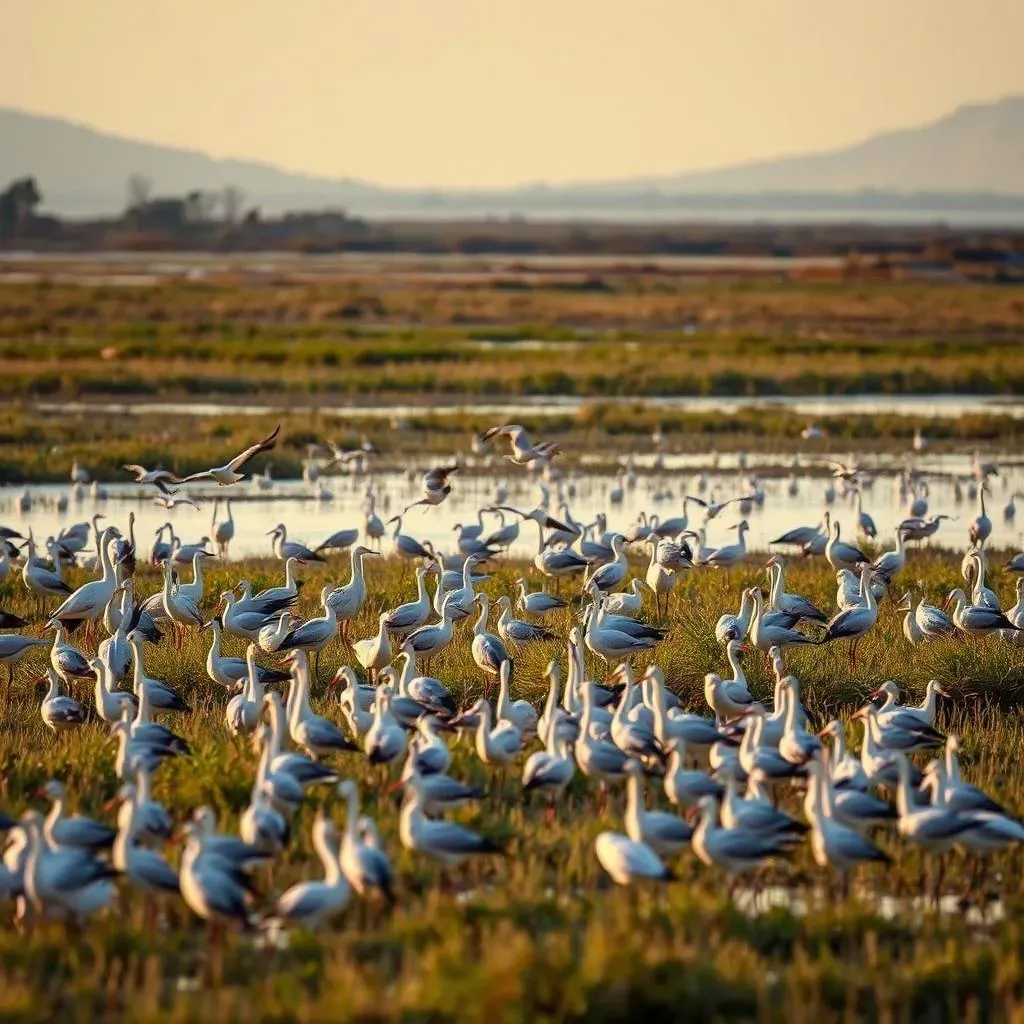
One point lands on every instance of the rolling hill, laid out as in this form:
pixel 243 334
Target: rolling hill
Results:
pixel 82 171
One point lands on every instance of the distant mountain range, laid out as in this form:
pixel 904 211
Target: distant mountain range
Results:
pixel 960 159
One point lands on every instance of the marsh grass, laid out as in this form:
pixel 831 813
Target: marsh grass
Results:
pixel 37 446
pixel 392 334
pixel 539 933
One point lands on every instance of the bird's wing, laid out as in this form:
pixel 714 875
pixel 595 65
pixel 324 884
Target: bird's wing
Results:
pixel 253 450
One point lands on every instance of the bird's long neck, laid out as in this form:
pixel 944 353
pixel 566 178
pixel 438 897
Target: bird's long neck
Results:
pixel 552 701
pixel 634 804
pixel 930 696
pixel 903 794
pixel 839 746
pixel 327 851
pixel 481 620
pixel 273 744
pixel 352 817
pixel 55 814
pixel 215 642
pixel 503 691
pixel 889 702
pixel 143 713
pixel 137 673
pixel 734 662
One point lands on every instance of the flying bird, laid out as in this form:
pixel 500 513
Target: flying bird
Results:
pixel 229 474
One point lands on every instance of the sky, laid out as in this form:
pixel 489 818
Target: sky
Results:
pixel 486 93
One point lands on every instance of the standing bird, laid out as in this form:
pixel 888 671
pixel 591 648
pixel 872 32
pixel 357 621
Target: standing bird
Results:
pixel 312 903
pixel 981 526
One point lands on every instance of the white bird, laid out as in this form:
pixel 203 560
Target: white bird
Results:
pixel 765 634
pixel 550 770
pixel 244 709
pixel 211 886
pixel 734 849
pixel 365 866
pixel 488 651
pixel 834 844
pixel 14 647
pixel 60 712
pixel 976 619
pixel 434 487
pixel 311 904
pixel 313 733
pixel 731 554
pixel 374 653
pixel 72 831
pixel 841 555
pixel 229 473
pixel 934 828
pixel 523 451
pixel 90 600
pixel 538 602
pixel 223 531
pixel 144 868
pixel 626 860
pixel 497 743
pixel 62 880
pixel 981 526
pixel 854 622
pixel 445 841
pixel 666 834
pixel 110 703
pixel 385 742
pixel 406 618
pixel 286 549
pixel 314 634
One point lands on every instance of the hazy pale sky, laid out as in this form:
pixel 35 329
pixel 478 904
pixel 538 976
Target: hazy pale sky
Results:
pixel 494 92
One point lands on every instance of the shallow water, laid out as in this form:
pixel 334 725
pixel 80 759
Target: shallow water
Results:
pixel 311 521
pixel 916 406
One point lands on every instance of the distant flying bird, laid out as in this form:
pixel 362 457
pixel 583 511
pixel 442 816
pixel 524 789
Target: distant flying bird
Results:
pixel 159 478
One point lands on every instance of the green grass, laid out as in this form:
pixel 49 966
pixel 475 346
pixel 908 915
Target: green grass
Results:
pixel 539 934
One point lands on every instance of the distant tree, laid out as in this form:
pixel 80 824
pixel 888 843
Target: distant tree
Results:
pixel 17 205
pixel 138 191
pixel 231 202
pixel 200 205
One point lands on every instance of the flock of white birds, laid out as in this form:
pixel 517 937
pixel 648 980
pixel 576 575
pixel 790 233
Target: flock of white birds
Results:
pixel 722 768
